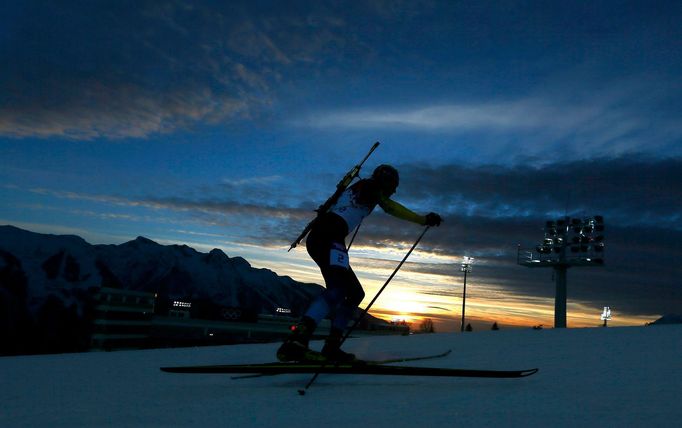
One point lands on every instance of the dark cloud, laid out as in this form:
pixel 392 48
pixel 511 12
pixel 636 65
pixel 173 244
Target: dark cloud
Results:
pixel 627 190
pixel 83 70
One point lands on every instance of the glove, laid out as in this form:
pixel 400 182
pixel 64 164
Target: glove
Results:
pixel 433 219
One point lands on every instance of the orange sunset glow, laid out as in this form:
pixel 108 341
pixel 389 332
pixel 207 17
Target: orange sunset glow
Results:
pixel 409 296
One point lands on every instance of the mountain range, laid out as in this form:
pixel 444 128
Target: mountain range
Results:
pixel 47 282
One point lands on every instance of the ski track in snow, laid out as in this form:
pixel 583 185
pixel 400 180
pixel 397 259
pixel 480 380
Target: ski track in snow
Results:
pixel 628 376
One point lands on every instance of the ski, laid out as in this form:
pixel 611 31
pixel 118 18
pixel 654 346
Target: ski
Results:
pixel 267 366
pixel 340 188
pixel 356 369
pixel 408 359
pixel 360 362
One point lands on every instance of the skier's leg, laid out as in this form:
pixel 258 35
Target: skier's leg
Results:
pixel 343 293
pixel 295 347
pixel 332 259
pixel 353 295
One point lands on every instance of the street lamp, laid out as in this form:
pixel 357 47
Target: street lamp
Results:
pixel 466 268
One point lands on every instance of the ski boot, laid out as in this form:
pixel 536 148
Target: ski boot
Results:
pixel 332 349
pixel 295 347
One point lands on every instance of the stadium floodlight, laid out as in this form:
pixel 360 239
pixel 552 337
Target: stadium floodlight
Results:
pixel 465 268
pixel 606 315
pixel 568 242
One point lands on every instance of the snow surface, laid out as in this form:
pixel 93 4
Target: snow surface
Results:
pixel 629 376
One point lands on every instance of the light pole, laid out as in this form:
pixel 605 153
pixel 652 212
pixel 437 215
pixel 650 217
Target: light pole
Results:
pixel 606 315
pixel 466 268
pixel 568 242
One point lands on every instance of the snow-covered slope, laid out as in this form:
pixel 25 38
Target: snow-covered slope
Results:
pixel 588 377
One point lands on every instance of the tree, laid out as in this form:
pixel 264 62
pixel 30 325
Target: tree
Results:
pixel 426 326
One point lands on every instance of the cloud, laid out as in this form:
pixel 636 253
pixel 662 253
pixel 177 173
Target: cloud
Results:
pixel 253 180
pixel 487 211
pixel 135 69
pixel 628 190
pixel 610 120
pixel 450 117
pixel 111 110
pixel 85 72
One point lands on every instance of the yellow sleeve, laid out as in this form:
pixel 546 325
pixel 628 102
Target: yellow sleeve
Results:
pixel 397 210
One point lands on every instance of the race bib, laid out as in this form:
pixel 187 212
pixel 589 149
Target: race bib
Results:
pixel 338 256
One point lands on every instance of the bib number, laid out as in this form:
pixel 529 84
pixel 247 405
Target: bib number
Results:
pixel 338 256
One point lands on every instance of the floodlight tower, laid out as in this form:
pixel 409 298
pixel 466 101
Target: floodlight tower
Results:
pixel 466 268
pixel 568 242
pixel 606 315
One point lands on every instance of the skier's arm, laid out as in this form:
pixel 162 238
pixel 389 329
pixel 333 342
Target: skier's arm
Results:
pixel 397 210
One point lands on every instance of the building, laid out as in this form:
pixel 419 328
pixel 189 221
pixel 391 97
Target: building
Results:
pixel 123 319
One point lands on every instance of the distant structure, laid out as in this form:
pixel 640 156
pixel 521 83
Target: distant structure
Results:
pixel 606 316
pixel 568 242
pixel 465 268
pixel 123 318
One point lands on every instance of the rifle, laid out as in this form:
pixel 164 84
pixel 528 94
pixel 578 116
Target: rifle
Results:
pixel 340 188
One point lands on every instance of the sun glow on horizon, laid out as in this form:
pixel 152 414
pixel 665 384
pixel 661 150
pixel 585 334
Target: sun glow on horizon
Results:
pixel 415 294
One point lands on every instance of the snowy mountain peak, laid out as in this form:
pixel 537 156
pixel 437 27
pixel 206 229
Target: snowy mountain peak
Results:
pixel 217 256
pixel 141 241
pixel 36 269
pixel 240 262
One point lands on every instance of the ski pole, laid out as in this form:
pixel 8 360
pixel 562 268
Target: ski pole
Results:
pixel 366 310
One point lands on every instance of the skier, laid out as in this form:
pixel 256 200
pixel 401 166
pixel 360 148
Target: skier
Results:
pixel 326 246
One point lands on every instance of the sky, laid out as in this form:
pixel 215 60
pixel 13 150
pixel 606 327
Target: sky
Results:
pixel 224 124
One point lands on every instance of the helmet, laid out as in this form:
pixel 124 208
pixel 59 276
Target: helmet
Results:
pixel 387 177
